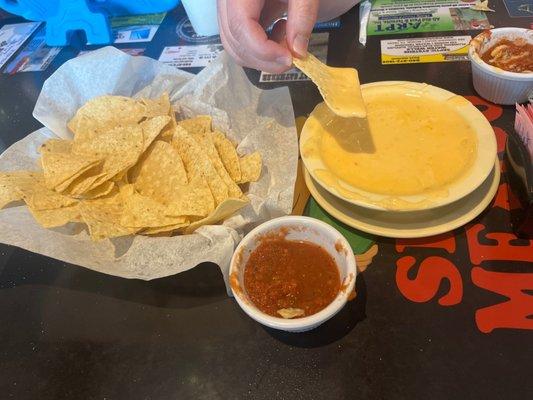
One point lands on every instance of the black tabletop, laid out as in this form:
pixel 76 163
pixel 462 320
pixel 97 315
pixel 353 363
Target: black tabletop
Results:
pixel 430 319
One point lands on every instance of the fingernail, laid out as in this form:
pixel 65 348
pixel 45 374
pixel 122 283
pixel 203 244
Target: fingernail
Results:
pixel 285 60
pixel 300 44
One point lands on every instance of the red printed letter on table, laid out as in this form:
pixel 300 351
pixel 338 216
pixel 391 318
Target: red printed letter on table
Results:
pixel 432 271
pixel 514 313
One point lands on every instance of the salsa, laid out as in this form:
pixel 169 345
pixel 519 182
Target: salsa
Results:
pixel 510 55
pixel 290 278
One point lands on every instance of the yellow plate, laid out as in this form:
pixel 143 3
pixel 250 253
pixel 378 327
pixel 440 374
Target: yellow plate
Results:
pixel 436 195
pixel 413 224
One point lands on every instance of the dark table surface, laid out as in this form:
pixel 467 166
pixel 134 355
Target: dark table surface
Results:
pixel 70 333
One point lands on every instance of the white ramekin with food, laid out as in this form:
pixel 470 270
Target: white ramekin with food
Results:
pixel 502 64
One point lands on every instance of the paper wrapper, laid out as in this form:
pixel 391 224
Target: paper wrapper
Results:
pixel 261 120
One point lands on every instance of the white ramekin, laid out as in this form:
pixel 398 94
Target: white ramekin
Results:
pixel 296 228
pixel 495 84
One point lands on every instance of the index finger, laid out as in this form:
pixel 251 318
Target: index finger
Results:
pixel 246 30
pixel 301 19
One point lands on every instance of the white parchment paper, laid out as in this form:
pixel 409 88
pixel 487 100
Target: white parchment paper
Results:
pixel 261 120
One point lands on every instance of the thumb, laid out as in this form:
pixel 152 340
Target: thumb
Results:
pixel 302 15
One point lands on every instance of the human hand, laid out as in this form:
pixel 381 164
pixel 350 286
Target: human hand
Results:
pixel 244 37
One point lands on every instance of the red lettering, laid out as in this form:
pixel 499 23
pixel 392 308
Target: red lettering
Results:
pixel 503 250
pixel 501 138
pixel 513 313
pixel 445 241
pixel 491 111
pixel 432 271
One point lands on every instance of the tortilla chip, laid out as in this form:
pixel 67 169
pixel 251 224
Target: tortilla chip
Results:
pixel 194 200
pixel 56 146
pixel 133 168
pixel 104 112
pixel 87 129
pixel 289 313
pixel 8 194
pixel 197 163
pixel 251 165
pixel 8 185
pixel 152 128
pixel 164 229
pixel 233 189
pixel 144 212
pixel 36 195
pixel 155 108
pixel 481 5
pixel 103 215
pixel 83 183
pixel 223 211
pixel 100 191
pixel 56 217
pixel 72 125
pixel 63 168
pixel 168 131
pixel 42 198
pixel 228 155
pixel 120 147
pixel 159 171
pixel 205 141
pixel 201 123
pixel 339 87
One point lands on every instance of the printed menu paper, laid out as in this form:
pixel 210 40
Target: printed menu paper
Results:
pixel 12 37
pixel 190 56
pixel 412 16
pixel 135 28
pixel 131 52
pixel 425 50
pixel 35 56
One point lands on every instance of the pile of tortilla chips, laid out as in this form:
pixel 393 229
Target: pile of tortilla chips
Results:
pixel 132 168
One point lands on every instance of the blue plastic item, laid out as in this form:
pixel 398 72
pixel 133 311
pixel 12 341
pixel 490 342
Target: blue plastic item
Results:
pixel 64 17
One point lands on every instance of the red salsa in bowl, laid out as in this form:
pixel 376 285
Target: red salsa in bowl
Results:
pixel 292 273
pixel 510 55
pixel 290 279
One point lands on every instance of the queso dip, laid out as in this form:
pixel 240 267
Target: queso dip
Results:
pixel 409 144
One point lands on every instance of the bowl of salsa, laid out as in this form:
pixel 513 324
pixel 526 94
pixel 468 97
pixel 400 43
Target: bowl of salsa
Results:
pixel 293 273
pixel 502 64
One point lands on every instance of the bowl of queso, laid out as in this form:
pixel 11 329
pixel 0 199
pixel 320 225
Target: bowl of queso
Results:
pixel 502 64
pixel 293 273
pixel 420 147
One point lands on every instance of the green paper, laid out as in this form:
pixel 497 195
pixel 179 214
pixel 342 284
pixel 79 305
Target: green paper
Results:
pixel 359 241
pixel 389 17
pixel 130 20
